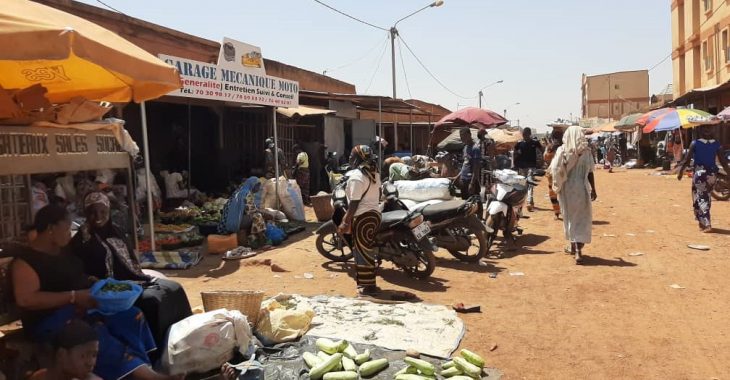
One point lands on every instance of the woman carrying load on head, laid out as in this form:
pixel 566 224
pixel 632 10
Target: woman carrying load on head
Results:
pixel 572 180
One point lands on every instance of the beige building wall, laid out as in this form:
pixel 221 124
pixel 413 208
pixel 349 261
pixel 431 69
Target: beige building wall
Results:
pixel 700 44
pixel 610 96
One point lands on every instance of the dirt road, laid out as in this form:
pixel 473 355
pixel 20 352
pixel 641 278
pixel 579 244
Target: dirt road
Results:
pixel 616 317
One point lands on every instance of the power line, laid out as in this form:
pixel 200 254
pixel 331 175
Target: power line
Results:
pixel 367 53
pixel 403 65
pixel 429 71
pixel 377 67
pixel 686 40
pixel 346 15
pixel 110 7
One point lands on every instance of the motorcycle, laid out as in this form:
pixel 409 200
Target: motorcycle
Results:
pixel 455 225
pixel 402 238
pixel 504 204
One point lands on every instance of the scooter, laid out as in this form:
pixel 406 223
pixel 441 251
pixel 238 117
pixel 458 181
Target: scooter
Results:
pixel 504 204
pixel 402 238
pixel 455 225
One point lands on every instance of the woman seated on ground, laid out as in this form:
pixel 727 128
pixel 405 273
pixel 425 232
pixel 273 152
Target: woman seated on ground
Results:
pixel 51 289
pixel 105 253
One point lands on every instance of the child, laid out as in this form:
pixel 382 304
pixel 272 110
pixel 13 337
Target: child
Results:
pixel 74 357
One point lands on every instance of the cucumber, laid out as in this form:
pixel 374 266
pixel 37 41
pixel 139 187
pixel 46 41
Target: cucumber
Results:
pixel 362 358
pixel 448 364
pixel 372 367
pixel 469 369
pixel 328 346
pixel 311 360
pixel 349 352
pixel 410 370
pixel 472 358
pixel 460 377
pixel 411 376
pixel 348 364
pixel 322 356
pixel 342 375
pixel 423 366
pixel 318 372
pixel 451 372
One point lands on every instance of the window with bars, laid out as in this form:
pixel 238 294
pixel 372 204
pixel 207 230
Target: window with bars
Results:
pixel 706 56
pixel 707 5
pixel 725 45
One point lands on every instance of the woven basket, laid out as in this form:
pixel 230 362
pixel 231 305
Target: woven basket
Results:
pixel 322 206
pixel 248 302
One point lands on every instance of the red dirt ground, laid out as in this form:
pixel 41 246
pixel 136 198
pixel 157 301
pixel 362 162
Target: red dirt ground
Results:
pixel 614 318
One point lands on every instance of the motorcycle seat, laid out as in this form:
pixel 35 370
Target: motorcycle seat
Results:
pixel 392 217
pixel 443 210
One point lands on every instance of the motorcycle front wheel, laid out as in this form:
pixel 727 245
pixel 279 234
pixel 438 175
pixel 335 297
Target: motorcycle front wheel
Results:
pixel 478 241
pixel 331 246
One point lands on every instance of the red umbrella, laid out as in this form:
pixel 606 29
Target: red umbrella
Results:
pixel 473 115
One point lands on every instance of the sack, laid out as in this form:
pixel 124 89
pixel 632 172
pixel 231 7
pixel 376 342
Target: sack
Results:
pixel 290 197
pixel 218 244
pixel 203 342
pixel 424 190
pixel 282 319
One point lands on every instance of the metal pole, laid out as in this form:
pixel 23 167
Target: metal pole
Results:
pixel 393 33
pixel 480 99
pixel 146 147
pixel 610 111
pixel 411 139
pixel 276 158
pixel 380 135
pixel 190 150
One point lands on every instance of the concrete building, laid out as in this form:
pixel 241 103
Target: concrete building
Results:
pixel 610 96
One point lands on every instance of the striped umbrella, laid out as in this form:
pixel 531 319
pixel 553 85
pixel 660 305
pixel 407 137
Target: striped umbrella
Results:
pixel 628 123
pixel 668 119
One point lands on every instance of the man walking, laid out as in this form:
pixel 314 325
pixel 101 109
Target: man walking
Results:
pixel 525 157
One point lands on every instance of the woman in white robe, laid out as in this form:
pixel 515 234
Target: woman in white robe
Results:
pixel 572 174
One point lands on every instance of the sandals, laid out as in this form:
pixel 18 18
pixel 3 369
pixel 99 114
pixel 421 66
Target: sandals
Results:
pixel 460 308
pixel 377 295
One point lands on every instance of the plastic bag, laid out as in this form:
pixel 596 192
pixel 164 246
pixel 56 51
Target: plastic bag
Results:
pixel 275 234
pixel 203 342
pixel 290 197
pixel 283 319
pixel 112 302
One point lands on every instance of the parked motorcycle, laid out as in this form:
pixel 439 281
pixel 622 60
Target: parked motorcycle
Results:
pixel 455 225
pixel 504 204
pixel 402 238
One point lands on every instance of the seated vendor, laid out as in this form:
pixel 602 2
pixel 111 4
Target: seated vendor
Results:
pixel 105 253
pixel 51 289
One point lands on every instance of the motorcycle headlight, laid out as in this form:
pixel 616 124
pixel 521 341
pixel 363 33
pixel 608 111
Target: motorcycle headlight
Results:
pixel 340 193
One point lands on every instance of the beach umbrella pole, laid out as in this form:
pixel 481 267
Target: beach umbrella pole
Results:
pixel 148 176
pixel 276 158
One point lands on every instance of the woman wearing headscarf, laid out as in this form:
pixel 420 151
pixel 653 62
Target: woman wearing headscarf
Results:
pixel 106 253
pixel 556 140
pixel 572 180
pixel 51 289
pixel 363 216
pixel 705 151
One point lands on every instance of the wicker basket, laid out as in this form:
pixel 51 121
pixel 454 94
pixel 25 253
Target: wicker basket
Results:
pixel 248 302
pixel 322 207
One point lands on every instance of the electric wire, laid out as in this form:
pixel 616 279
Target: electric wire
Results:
pixel 377 67
pixel 347 15
pixel 431 73
pixel 110 7
pixel 403 65
pixel 367 54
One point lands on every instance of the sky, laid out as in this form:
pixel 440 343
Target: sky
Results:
pixel 538 48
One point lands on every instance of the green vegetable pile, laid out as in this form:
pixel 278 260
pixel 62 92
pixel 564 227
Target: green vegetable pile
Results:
pixel 116 287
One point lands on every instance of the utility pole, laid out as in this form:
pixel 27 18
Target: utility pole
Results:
pixel 393 34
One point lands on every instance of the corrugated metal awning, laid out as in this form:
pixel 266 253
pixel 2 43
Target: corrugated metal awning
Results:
pixel 303 111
